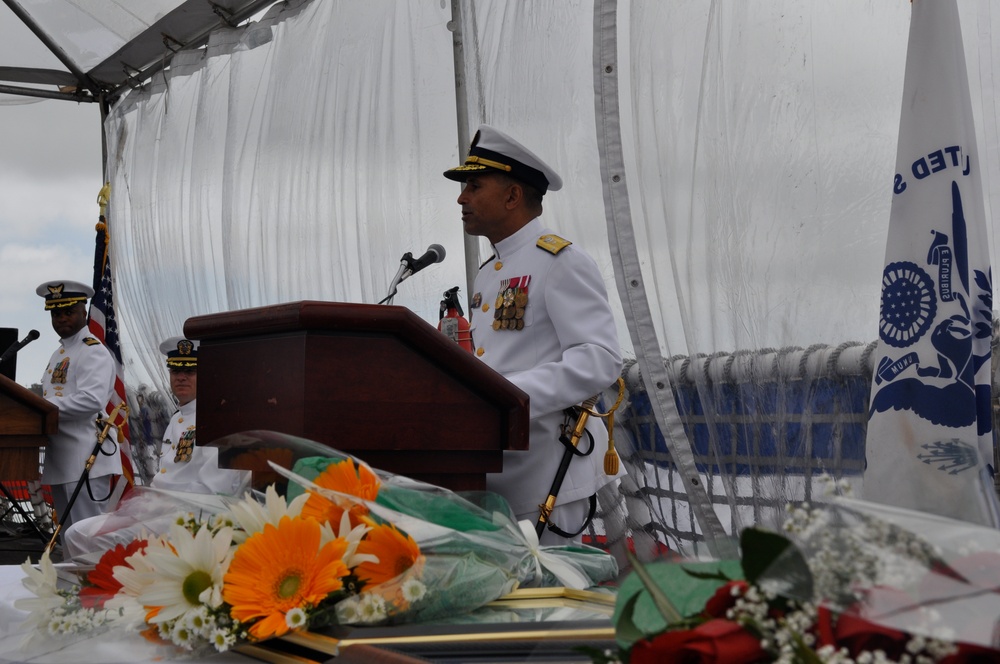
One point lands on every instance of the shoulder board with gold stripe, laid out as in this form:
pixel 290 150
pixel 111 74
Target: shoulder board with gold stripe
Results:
pixel 483 264
pixel 552 243
pixel 91 341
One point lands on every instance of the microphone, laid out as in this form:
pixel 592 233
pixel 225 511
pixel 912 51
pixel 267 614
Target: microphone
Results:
pixel 434 254
pixel 409 266
pixel 10 352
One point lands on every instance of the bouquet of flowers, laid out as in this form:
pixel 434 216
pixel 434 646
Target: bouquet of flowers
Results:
pixel 846 581
pixel 342 544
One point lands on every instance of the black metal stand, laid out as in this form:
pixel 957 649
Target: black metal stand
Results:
pixel 15 506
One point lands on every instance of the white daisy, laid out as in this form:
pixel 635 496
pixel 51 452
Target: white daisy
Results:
pixel 348 611
pixel 198 621
pixel 413 590
pixel 188 574
pixel 135 577
pixel 251 516
pixel 182 635
pixel 222 639
pixel 352 536
pixel 296 618
pixel 41 582
pixel 371 607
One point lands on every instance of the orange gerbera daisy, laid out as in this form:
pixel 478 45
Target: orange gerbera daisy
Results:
pixel 279 569
pixel 396 552
pixel 346 477
pixel 103 584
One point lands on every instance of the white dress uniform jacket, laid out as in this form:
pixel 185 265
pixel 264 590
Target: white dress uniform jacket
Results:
pixel 199 472
pixel 79 379
pixel 566 352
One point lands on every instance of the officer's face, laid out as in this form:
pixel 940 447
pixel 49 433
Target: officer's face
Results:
pixel 184 384
pixel 67 321
pixel 485 206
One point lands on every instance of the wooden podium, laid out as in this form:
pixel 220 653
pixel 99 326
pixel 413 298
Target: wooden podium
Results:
pixel 374 381
pixel 26 421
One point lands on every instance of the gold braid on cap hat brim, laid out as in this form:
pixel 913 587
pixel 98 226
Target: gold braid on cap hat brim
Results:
pixel 472 159
pixel 182 362
pixel 64 302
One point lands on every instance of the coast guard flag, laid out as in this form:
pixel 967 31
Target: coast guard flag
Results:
pixel 930 438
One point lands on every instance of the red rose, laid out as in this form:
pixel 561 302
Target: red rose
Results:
pixel 712 642
pixel 855 631
pixel 723 599
pixel 859 635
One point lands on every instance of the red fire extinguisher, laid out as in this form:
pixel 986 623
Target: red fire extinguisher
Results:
pixel 452 322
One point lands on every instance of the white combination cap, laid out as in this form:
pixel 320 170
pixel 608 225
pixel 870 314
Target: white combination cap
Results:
pixel 181 353
pixel 493 150
pixel 64 293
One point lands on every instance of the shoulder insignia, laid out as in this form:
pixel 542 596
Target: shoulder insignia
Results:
pixel 91 341
pixel 483 264
pixel 552 243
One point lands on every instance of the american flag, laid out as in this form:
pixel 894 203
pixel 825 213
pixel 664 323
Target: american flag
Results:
pixel 104 326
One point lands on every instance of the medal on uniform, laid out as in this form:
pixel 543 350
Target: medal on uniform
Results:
pixel 59 373
pixel 512 300
pixel 184 447
pixel 498 305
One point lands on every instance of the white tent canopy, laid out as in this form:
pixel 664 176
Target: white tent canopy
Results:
pixel 728 165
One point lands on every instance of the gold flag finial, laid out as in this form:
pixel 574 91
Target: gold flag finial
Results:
pixel 103 196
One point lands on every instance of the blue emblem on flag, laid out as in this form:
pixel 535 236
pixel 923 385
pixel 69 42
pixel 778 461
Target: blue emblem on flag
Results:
pixel 944 389
pixel 908 304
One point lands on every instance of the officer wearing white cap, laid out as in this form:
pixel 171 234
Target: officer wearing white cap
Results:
pixel 79 380
pixel 184 466
pixel 540 316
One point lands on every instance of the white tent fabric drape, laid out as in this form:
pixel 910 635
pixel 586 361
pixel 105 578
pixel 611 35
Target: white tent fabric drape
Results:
pixel 300 157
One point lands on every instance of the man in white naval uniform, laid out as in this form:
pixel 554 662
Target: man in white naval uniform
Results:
pixel 79 380
pixel 541 318
pixel 183 467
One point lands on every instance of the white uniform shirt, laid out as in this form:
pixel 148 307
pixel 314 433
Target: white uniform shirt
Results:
pixel 199 472
pixel 79 380
pixel 566 352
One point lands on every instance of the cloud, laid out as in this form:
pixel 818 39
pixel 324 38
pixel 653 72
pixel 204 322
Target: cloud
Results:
pixel 50 173
pixel 25 267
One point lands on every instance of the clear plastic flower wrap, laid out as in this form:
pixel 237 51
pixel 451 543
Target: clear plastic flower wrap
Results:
pixel 888 569
pixel 321 539
pixel 846 581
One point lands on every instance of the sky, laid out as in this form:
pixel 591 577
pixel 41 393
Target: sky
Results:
pixel 50 174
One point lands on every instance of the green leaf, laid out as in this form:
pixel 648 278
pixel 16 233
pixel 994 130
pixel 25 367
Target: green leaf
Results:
pixel 761 548
pixel 686 587
pixel 716 575
pixel 659 597
pixel 772 557
pixel 626 631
